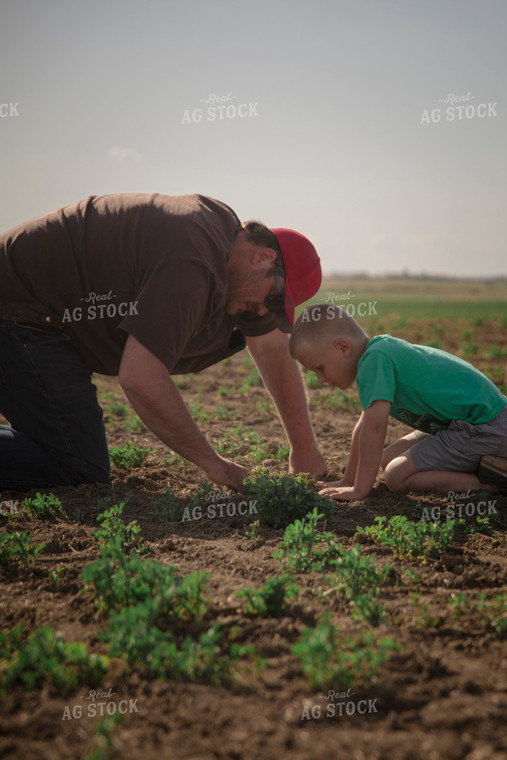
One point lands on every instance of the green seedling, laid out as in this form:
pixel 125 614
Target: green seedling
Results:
pixel 169 507
pixel 271 600
pixel 55 575
pixel 253 529
pixel 117 409
pixel 128 455
pixel 492 612
pixel 282 499
pixel 44 506
pixel 226 414
pixel 408 539
pixel 199 414
pixel 223 391
pixel 115 536
pixel 304 548
pixel 119 581
pixel 283 452
pixel 357 579
pixel 354 574
pixel 11 642
pixel 133 425
pixel 331 660
pixel 265 405
pixel 156 654
pixel 103 741
pixel 46 659
pixel 20 546
pixel 253 379
pixel 311 380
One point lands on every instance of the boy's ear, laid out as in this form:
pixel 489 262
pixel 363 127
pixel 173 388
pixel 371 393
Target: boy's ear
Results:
pixel 343 345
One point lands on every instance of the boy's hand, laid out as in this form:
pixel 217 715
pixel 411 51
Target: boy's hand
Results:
pixel 342 493
pixel 335 483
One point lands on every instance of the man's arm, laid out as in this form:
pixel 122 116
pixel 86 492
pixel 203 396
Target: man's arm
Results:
pixel 370 447
pixel 283 381
pixel 151 391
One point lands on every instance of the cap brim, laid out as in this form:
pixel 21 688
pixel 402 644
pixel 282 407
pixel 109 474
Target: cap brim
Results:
pixel 285 318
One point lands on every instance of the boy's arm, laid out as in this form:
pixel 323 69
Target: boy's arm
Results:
pixel 349 476
pixel 369 453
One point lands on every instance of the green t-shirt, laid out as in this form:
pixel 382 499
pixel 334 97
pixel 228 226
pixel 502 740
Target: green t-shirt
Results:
pixel 427 387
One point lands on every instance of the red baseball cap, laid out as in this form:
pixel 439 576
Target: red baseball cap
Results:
pixel 303 274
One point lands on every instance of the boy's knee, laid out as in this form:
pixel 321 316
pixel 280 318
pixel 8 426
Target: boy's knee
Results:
pixel 392 478
pixel 386 458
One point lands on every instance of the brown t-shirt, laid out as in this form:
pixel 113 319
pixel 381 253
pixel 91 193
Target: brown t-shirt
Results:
pixel 153 266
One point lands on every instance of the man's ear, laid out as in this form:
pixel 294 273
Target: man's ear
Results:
pixel 263 254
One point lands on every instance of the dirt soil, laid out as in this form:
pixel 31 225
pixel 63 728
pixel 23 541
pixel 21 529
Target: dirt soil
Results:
pixel 444 696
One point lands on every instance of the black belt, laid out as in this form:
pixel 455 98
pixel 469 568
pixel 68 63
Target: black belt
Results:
pixel 45 322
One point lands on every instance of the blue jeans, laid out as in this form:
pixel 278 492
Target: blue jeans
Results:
pixel 56 435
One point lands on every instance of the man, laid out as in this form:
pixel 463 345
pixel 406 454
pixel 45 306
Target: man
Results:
pixel 143 287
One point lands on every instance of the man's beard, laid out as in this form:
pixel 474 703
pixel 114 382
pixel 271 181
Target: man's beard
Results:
pixel 241 285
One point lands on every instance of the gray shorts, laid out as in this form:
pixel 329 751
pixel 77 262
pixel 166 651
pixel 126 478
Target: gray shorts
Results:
pixel 459 447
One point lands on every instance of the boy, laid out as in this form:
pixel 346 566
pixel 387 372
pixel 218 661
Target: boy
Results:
pixel 459 414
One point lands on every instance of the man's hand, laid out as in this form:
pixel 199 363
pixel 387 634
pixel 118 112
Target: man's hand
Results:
pixel 282 378
pixel 151 391
pixel 228 474
pixel 311 462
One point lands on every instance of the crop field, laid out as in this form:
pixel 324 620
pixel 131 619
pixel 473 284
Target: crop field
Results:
pixel 159 617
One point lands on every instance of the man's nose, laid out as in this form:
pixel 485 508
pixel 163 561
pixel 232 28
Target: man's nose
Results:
pixel 262 310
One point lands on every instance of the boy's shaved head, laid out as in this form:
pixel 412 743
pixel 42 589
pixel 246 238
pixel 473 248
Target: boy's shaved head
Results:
pixel 322 324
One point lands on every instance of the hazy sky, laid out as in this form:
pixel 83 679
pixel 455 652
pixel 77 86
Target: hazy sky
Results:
pixel 329 121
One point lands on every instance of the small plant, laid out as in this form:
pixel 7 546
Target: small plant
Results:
pixel 55 575
pixel 125 581
pixel 282 499
pixel 357 579
pixel 311 380
pixel 424 618
pixel 115 536
pixel 169 507
pixel 304 549
pixel 133 425
pixel 493 612
pixel 156 653
pixel 11 642
pixel 468 348
pixel 19 545
pixel 283 452
pixel 271 599
pixel 408 539
pixel 331 660
pixel 354 574
pixel 265 405
pixel 480 525
pixel 47 659
pixel 199 414
pixel 253 379
pixel 128 455
pixel 44 506
pixel 226 414
pixel 253 529
pixel 103 742
pixel 117 409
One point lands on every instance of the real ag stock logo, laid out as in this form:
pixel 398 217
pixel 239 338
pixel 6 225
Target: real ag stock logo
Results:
pixel 458 108
pixel 219 108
